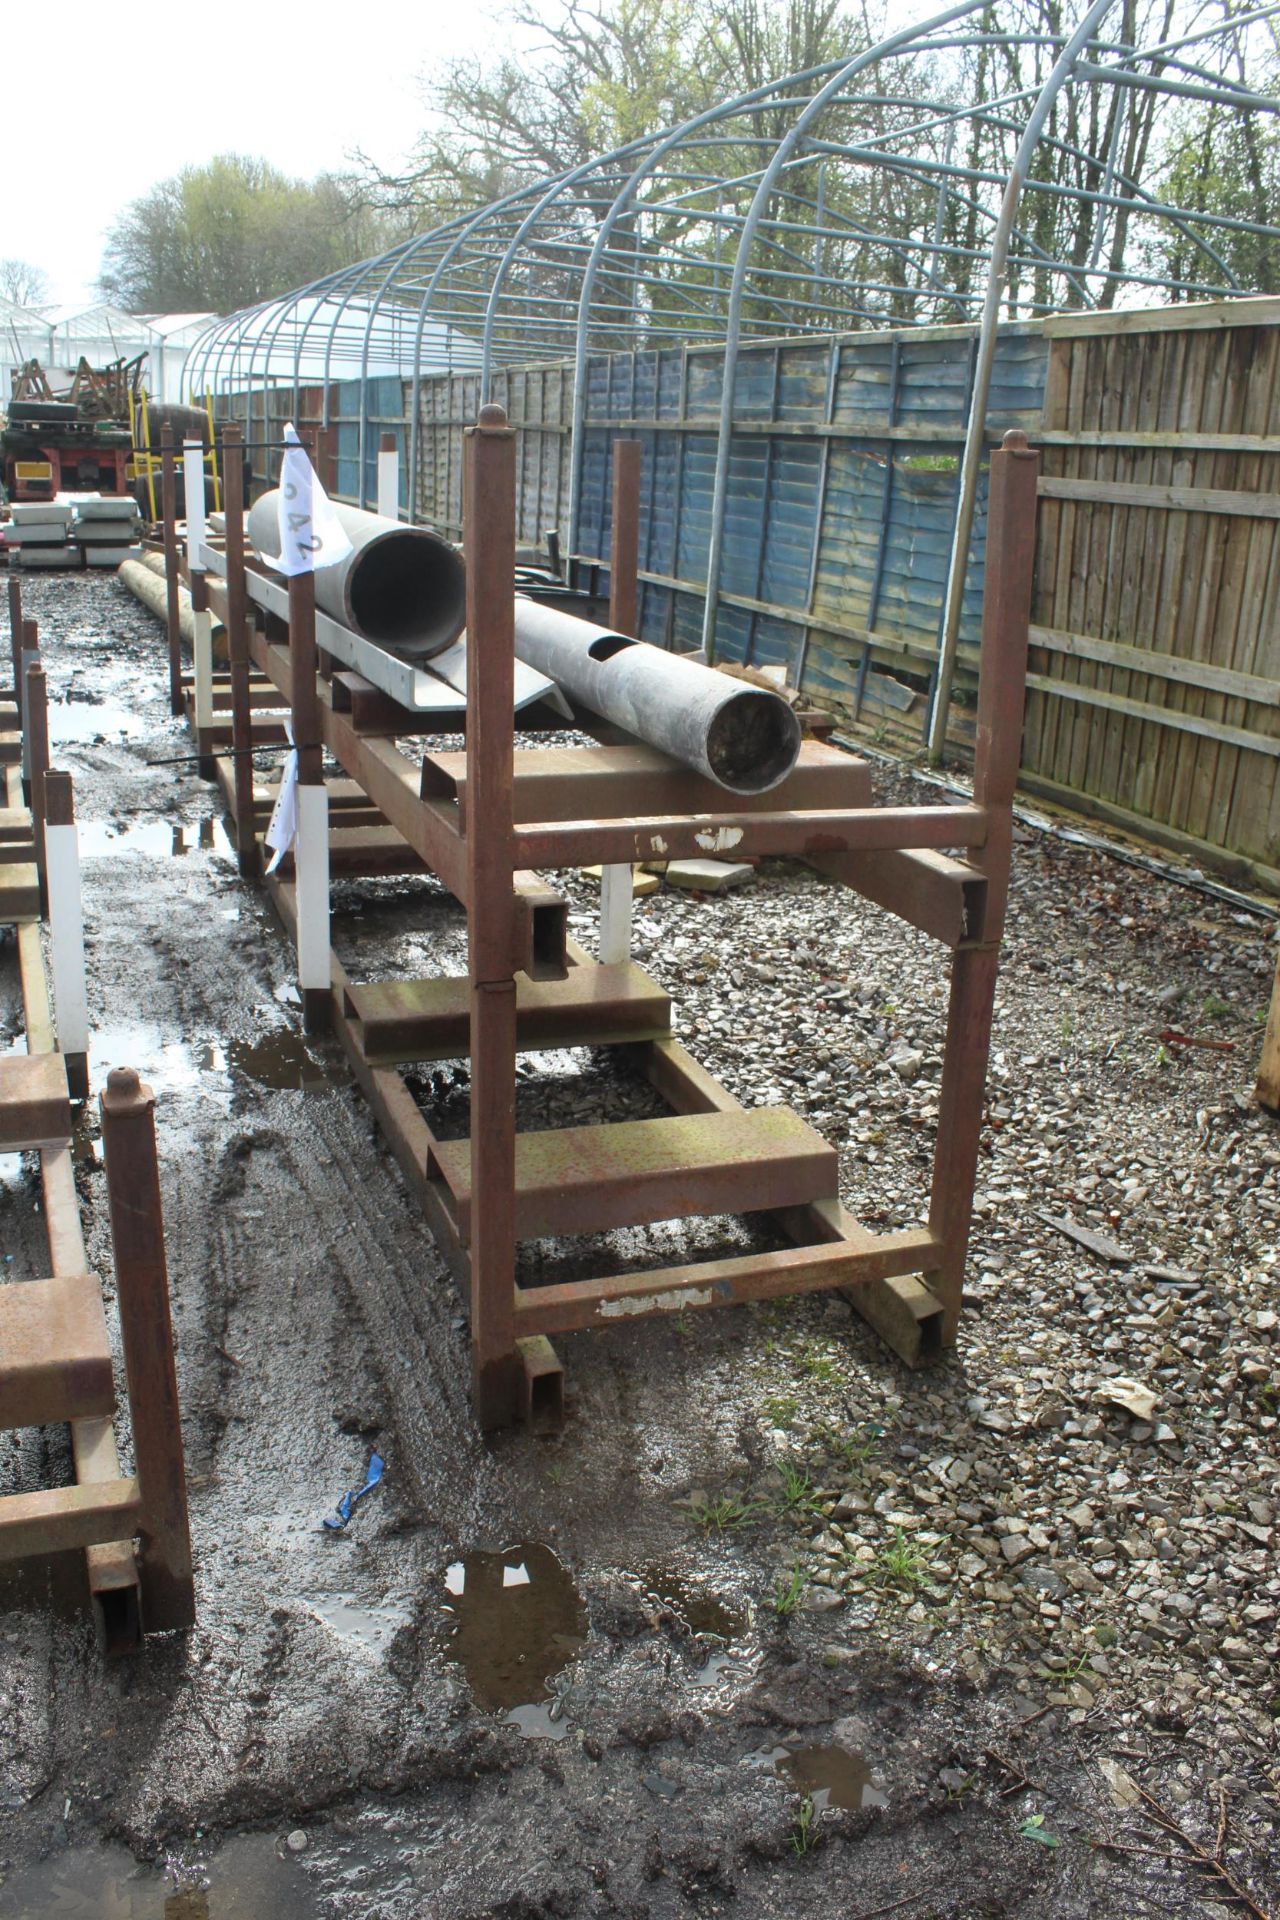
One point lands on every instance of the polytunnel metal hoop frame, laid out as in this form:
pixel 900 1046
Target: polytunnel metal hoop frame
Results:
pixel 717 259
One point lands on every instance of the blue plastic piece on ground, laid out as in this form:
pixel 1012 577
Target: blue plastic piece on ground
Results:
pixel 337 1520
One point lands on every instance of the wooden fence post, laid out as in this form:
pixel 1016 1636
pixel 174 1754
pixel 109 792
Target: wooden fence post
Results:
pixel 1269 1067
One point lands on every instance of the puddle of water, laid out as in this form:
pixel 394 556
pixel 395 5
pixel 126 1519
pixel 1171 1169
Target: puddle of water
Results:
pixel 281 1060
pixel 154 839
pixel 695 1611
pixel 831 1776
pixel 166 1065
pixel 541 1720
pixel 14 1170
pixel 518 1620
pixel 372 1628
pixel 246 1879
pixel 73 722
pixel 721 1668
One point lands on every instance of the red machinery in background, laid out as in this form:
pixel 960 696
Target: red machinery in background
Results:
pixel 70 432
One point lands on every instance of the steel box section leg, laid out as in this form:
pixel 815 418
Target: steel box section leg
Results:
pixel 489 534
pixel 616 887
pixel 35 739
pixel 15 638
pixel 169 509
pixel 311 850
pixel 238 656
pixel 28 657
pixel 1006 611
pixel 66 930
pixel 201 618
pixel 388 477
pixel 142 1284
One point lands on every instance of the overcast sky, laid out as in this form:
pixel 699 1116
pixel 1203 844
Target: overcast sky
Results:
pixel 300 85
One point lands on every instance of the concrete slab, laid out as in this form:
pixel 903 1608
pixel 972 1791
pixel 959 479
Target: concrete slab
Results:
pixel 708 876
pixel 34 513
pixel 34 557
pixel 119 507
pixel 42 533
pixel 106 532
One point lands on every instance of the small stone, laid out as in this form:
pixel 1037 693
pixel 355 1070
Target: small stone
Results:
pixel 1016 1547
pixel 297 1841
pixel 1042 1580
pixel 1124 1791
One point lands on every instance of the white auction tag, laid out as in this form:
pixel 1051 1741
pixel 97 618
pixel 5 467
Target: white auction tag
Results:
pixel 311 534
pixel 282 829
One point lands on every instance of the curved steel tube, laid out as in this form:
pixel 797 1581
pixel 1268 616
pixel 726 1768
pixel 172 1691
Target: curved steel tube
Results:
pixel 975 433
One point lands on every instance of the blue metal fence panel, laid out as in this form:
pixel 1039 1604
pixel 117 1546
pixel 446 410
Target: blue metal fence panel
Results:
pixel 794 515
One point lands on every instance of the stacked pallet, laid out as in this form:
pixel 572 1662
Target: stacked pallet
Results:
pixel 39 534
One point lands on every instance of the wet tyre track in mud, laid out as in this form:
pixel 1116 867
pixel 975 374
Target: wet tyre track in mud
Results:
pixel 314 1322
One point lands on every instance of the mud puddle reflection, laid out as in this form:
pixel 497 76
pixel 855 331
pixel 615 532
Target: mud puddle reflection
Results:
pixel 169 1066
pixel 371 1628
pixel 282 1061
pixel 81 722
pixel 693 1610
pixel 245 1880
pixel 518 1621
pixel 152 839
pixel 830 1776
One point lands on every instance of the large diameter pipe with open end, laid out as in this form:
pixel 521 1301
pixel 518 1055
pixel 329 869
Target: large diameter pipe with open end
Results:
pixel 743 737
pixel 401 587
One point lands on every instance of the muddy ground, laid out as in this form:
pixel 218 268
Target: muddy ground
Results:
pixel 1027 1635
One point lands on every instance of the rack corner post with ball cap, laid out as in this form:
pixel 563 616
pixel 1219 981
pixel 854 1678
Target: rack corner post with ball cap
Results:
pixel 487 820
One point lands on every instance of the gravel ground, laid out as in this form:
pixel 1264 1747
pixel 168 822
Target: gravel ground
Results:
pixel 1029 1596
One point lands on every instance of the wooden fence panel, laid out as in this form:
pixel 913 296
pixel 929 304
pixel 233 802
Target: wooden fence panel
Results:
pixel 1155 677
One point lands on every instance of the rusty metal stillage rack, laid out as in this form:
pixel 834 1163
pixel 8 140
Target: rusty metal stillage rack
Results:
pixel 489 820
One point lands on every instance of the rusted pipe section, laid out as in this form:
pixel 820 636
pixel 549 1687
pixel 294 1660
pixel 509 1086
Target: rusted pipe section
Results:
pixel 744 738
pixel 401 587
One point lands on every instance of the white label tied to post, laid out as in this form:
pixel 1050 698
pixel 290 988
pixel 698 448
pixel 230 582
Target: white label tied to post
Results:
pixel 282 830
pixel 311 535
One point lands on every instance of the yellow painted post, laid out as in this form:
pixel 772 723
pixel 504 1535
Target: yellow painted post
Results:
pixel 146 441
pixel 213 453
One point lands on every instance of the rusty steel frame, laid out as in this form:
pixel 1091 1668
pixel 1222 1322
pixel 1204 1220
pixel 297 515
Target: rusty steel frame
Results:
pixel 57 1337
pixel 473 820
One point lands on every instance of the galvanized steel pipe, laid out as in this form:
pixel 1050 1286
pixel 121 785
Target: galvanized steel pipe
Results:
pixel 400 587
pixel 743 737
